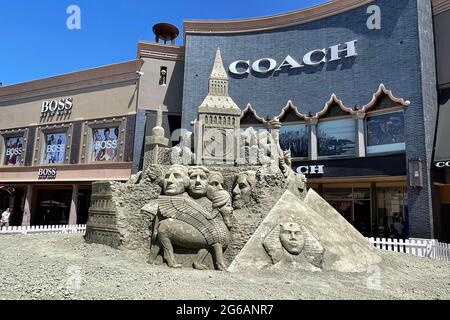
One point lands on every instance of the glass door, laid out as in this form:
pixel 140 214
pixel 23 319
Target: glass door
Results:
pixel 354 204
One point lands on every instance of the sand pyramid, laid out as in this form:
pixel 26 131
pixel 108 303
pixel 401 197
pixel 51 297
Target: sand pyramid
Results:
pixel 338 245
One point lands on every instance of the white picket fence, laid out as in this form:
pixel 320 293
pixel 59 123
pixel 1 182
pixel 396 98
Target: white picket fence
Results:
pixel 77 228
pixel 418 247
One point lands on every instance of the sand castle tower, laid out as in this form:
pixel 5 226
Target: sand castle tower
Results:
pixel 218 124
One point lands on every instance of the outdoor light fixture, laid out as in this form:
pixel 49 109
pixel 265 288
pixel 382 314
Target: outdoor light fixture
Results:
pixel 415 173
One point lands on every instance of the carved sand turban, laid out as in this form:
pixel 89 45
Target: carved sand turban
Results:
pixel 214 175
pixel 220 198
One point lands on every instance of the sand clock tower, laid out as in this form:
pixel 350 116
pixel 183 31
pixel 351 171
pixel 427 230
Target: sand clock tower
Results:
pixel 218 122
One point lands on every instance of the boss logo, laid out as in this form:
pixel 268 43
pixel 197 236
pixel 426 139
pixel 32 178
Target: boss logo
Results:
pixel 57 105
pixel 443 164
pixel 55 148
pixel 14 151
pixel 109 144
pixel 47 173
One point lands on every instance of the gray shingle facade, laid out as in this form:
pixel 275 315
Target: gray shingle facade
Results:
pixel 400 55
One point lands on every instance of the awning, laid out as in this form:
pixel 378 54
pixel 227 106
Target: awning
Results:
pixel 442 150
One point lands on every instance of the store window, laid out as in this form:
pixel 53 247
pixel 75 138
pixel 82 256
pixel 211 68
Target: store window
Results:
pixel 105 144
pixel 354 204
pixel 336 138
pixel 391 219
pixel 14 151
pixel 55 148
pixel 295 137
pixel 385 133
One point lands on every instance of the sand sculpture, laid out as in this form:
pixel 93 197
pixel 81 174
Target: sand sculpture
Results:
pixel 228 201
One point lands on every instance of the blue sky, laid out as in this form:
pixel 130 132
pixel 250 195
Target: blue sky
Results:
pixel 35 42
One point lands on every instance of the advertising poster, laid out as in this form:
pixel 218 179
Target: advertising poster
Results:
pixel 55 147
pixel 105 144
pixel 14 149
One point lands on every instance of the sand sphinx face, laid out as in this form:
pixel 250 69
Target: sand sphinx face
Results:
pixel 292 242
pixel 291 238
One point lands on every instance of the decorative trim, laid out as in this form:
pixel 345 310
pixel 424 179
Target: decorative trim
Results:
pixel 249 109
pixel 121 72
pixel 290 105
pixel 159 51
pixel 376 95
pixel 440 6
pixel 299 17
pixel 329 103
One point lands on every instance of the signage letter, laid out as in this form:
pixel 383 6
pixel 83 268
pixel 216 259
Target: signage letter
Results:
pixel 234 70
pixel 289 62
pixel 45 106
pixel 303 169
pixel 316 169
pixel 350 50
pixel 307 59
pixel 69 103
pixel 257 65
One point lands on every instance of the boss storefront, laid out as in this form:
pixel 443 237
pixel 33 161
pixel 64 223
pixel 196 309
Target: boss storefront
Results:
pixel 53 146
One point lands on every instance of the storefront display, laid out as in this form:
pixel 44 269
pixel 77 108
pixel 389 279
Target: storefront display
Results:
pixel 14 149
pixel 105 144
pixel 336 138
pixel 55 148
pixel 386 133
pixel 295 138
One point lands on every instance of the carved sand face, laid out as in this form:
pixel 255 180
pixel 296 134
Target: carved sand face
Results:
pixel 291 238
pixel 227 209
pixel 214 184
pixel 198 183
pixel 241 192
pixel 174 182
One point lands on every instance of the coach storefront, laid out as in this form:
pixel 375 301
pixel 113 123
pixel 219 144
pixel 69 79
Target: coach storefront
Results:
pixel 357 102
pixel 60 134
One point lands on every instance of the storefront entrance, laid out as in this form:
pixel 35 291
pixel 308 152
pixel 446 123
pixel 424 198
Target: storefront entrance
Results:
pixel 374 209
pixel 354 204
pixel 53 207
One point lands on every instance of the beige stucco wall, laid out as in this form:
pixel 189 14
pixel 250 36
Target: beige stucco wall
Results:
pixel 152 94
pixel 88 103
pixel 442 34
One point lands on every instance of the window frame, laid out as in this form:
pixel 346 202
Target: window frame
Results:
pixel 366 131
pixel 41 143
pixel 355 133
pixel 8 134
pixel 308 129
pixel 88 141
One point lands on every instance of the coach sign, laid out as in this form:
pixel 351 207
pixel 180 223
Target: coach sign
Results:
pixel 309 170
pixel 443 164
pixel 312 58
